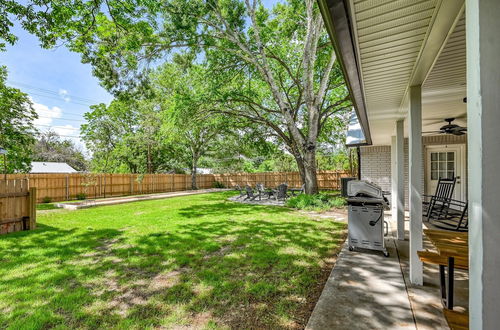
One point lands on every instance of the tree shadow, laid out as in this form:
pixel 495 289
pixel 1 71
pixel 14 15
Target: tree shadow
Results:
pixel 252 272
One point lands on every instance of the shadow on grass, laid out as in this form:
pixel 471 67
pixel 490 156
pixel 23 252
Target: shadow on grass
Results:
pixel 251 273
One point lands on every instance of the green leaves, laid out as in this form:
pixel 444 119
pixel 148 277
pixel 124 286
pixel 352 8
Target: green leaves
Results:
pixel 16 126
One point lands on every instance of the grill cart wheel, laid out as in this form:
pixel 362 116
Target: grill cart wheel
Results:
pixel 386 254
pixel 351 248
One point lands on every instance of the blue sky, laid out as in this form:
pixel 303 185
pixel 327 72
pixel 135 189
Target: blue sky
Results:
pixel 61 87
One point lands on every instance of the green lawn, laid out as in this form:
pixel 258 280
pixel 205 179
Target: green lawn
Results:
pixel 197 261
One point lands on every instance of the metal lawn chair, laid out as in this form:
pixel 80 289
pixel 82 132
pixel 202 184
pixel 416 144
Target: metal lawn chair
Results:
pixel 281 192
pixel 250 193
pixel 242 191
pixel 261 190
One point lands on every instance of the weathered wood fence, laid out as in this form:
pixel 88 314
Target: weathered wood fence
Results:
pixel 17 206
pixel 60 187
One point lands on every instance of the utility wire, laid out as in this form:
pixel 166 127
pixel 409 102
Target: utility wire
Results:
pixel 57 93
pixel 60 118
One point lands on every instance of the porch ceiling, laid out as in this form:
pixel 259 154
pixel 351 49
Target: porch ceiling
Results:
pixel 397 44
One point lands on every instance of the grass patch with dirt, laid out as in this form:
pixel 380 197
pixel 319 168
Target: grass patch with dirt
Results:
pixel 196 261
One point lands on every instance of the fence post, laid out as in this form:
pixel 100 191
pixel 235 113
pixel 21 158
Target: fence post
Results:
pixel 131 183
pixel 67 187
pixel 32 208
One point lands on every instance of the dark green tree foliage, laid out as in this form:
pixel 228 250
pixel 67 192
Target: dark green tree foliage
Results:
pixel 16 126
pixel 49 147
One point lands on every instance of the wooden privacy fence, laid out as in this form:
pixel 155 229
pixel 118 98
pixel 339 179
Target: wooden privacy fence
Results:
pixel 17 206
pixel 60 187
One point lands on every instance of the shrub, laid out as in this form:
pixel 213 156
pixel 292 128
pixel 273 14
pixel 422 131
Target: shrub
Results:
pixel 46 200
pixel 218 184
pixel 317 202
pixel 81 196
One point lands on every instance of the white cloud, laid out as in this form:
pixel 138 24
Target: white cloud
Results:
pixel 46 115
pixel 64 94
pixel 66 130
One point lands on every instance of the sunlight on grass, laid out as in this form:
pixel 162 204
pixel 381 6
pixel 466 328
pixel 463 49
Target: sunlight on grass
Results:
pixel 197 261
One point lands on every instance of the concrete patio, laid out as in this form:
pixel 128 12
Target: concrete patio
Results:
pixel 368 291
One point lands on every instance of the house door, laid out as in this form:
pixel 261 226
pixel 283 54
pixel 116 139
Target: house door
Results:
pixel 447 162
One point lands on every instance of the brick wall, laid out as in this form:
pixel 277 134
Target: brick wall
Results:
pixel 376 161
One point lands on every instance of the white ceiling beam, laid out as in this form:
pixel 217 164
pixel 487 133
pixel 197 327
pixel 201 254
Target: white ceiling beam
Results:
pixel 448 13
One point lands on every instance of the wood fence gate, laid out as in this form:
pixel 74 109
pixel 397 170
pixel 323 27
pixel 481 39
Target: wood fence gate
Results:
pixel 17 206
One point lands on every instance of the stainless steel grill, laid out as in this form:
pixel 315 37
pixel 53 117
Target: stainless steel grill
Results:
pixel 366 205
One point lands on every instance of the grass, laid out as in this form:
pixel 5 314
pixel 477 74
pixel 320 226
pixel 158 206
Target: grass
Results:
pixel 319 202
pixel 197 261
pixel 46 206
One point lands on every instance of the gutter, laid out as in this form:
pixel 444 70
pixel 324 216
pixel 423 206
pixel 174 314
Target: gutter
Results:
pixel 336 17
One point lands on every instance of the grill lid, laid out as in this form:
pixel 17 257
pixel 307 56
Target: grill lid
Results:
pixel 358 188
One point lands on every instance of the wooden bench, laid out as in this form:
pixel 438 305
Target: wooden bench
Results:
pixel 456 320
pixel 437 259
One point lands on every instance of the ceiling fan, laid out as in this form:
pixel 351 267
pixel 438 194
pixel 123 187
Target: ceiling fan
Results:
pixel 449 128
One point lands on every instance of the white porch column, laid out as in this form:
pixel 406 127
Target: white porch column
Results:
pixel 415 178
pixel 397 179
pixel 483 121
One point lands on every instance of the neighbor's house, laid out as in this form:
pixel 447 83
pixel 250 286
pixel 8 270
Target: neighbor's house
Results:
pixel 51 167
pixel 409 65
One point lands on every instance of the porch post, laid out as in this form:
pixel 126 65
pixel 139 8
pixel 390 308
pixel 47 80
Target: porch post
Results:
pixel 397 180
pixel 415 178
pixel 483 120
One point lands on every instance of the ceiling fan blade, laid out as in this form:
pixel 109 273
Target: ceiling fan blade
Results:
pixel 433 132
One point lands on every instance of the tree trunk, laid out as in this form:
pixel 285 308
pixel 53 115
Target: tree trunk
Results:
pixel 310 175
pixel 194 170
pixel 307 170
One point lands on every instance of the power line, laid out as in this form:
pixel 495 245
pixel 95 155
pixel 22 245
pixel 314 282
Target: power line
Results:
pixel 64 119
pixel 58 98
pixel 49 91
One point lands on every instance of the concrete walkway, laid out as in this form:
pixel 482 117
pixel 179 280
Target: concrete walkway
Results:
pixel 365 291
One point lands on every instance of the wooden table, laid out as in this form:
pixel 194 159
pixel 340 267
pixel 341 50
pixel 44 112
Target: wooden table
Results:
pixel 452 245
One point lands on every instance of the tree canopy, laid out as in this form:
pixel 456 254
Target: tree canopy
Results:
pixel 272 66
pixel 17 133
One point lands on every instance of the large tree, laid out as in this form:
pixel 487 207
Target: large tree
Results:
pixel 189 120
pixel 294 85
pixel 17 133
pixel 50 147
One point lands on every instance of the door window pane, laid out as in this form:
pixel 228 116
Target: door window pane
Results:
pixel 442 165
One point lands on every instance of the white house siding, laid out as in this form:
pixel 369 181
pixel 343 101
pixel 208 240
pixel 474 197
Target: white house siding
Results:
pixel 376 161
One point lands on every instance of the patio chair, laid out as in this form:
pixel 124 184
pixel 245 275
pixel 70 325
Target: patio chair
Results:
pixel 261 190
pixel 439 201
pixel 250 193
pixel 298 191
pixel 281 192
pixel 242 191
pixel 454 216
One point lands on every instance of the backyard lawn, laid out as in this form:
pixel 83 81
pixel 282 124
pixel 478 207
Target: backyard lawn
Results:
pixel 195 261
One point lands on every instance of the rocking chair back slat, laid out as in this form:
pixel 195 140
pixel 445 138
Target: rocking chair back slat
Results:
pixel 440 200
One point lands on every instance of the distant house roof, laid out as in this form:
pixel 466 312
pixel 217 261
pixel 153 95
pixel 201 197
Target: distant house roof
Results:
pixel 51 167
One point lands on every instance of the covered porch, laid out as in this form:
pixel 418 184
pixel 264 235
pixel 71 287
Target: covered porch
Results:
pixel 410 66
